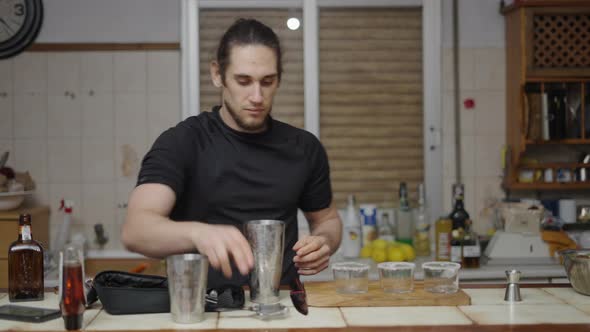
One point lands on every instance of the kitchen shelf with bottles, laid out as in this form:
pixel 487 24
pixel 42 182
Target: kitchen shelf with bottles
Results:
pixel 574 133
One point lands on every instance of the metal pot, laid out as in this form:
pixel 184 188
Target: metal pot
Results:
pixel 577 266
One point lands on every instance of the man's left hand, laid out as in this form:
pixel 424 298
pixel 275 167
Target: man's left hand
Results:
pixel 312 254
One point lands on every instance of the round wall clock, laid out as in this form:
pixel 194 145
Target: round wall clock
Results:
pixel 20 22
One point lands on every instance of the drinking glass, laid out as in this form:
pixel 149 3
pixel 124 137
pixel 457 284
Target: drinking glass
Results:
pixel 441 277
pixel 396 277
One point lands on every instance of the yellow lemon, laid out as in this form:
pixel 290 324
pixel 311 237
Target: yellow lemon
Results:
pixel 392 244
pixel 379 255
pixel 366 251
pixel 408 251
pixel 395 254
pixel 379 244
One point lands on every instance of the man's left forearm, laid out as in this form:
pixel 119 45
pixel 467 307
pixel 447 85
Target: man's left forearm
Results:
pixel 331 229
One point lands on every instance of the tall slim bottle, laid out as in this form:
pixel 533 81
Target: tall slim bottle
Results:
pixel 405 223
pixel 459 218
pixel 422 223
pixel 72 299
pixel 25 265
pixel 351 235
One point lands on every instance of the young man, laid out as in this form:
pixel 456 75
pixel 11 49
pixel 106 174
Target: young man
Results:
pixel 205 177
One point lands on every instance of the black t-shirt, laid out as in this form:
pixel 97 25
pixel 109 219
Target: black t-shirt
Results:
pixel 222 176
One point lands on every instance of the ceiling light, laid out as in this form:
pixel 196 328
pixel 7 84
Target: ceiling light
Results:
pixel 293 23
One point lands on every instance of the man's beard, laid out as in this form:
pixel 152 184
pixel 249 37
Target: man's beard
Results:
pixel 252 127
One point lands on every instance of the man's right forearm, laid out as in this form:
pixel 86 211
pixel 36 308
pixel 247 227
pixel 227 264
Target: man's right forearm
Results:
pixel 153 235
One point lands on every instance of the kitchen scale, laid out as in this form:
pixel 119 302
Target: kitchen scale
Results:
pixel 518 248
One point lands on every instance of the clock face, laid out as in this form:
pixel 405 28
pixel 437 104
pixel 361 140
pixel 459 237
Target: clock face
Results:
pixel 20 22
pixel 12 18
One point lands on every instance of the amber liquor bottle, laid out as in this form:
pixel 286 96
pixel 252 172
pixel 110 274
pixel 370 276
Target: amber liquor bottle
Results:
pixel 25 265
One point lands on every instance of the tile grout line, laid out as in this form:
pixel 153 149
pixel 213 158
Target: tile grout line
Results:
pixel 473 322
pixel 93 319
pixel 565 301
pixel 343 317
pixel 562 301
pixel 579 310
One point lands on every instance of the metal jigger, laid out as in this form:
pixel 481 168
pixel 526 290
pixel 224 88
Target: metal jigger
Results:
pixel 512 288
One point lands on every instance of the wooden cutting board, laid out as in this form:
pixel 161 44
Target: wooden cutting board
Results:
pixel 323 294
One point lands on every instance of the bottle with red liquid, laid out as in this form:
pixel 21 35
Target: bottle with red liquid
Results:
pixel 73 299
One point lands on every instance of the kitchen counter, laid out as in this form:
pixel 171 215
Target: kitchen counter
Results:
pixel 550 272
pixel 544 308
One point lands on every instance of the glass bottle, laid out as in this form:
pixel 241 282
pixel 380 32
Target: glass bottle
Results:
pixel 459 218
pixel 421 241
pixel 25 265
pixel 72 299
pixel 351 235
pixel 471 251
pixel 442 236
pixel 405 224
pixel 384 227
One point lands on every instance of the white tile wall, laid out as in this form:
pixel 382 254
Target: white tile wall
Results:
pixel 6 144
pixel 131 114
pixel 63 73
pixel 6 126
pixel 98 160
pixel 490 69
pixel 162 113
pixel 163 73
pixel 482 128
pixel 30 73
pixel 64 160
pixel 98 118
pixel 30 115
pixel 66 117
pixel 97 74
pixel 30 155
pixel 6 76
pixel 130 71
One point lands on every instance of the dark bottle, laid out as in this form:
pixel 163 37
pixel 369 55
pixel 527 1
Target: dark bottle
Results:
pixel 459 219
pixel 72 301
pixel 25 265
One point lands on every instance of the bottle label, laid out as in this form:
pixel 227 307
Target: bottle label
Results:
pixel 368 215
pixel 26 233
pixel 351 244
pixel 444 246
pixel 471 251
pixel 456 254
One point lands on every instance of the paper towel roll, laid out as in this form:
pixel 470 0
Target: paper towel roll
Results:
pixel 567 210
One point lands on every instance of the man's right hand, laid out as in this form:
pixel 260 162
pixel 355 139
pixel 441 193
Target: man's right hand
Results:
pixel 219 243
pixel 149 231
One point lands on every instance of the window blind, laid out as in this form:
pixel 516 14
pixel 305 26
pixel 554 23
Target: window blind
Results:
pixel 288 104
pixel 371 110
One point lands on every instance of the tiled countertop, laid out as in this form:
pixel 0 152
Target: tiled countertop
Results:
pixel 562 308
